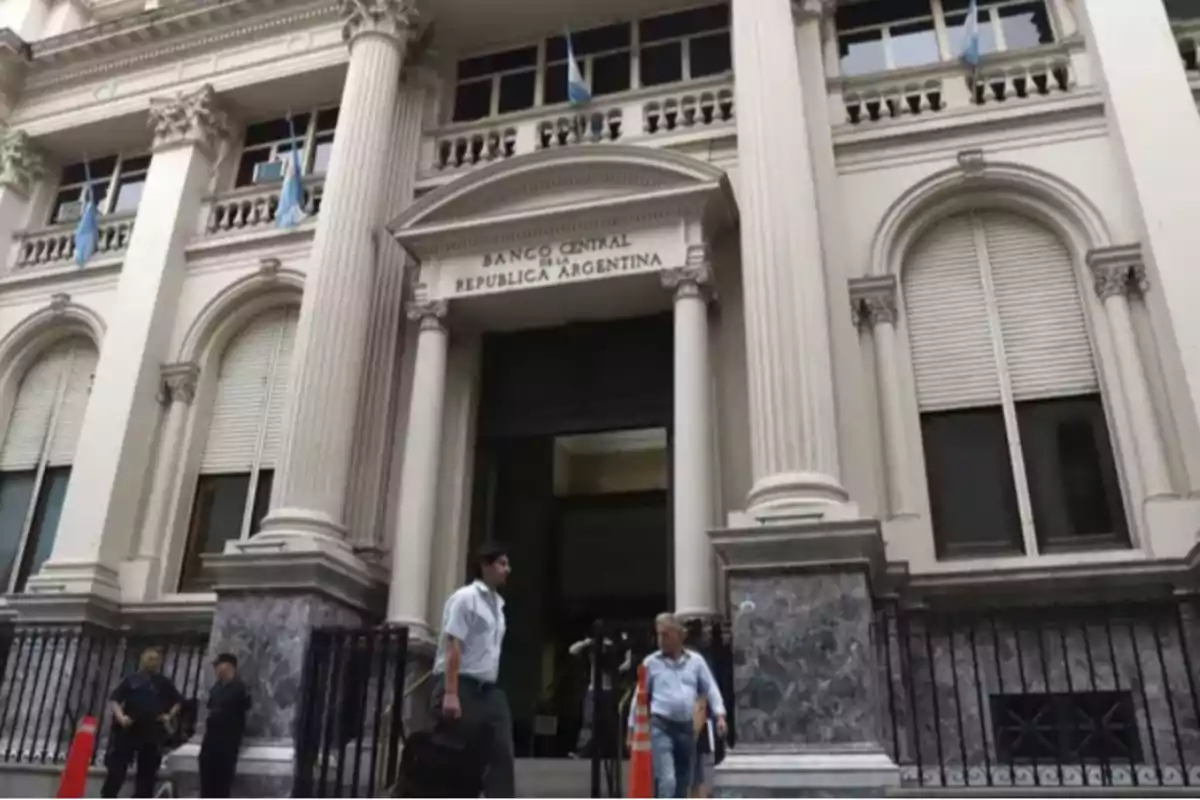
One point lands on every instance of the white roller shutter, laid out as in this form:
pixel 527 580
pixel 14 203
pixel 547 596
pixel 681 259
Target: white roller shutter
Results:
pixel 946 314
pixel 29 422
pixel 241 395
pixel 68 421
pixel 1046 344
pixel 280 375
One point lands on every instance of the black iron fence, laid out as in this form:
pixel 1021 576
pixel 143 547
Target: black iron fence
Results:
pixel 351 727
pixel 1043 696
pixel 51 678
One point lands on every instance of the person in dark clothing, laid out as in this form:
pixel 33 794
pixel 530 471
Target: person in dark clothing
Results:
pixel 228 702
pixel 143 705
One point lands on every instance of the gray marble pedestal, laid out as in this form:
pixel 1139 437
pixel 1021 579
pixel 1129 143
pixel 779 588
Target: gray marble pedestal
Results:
pixel 806 685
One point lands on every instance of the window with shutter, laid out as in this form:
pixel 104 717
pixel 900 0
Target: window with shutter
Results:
pixel 1017 452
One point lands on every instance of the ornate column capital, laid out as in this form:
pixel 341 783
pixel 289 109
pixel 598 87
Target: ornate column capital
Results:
pixel 394 19
pixel 430 313
pixel 693 280
pixel 192 118
pixel 21 162
pixel 873 300
pixel 179 382
pixel 1118 270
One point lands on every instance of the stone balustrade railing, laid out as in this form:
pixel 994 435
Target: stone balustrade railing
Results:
pixel 1187 36
pixel 254 207
pixel 641 116
pixel 54 246
pixel 1002 78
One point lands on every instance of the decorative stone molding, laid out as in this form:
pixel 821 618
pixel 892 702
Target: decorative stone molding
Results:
pixel 430 313
pixel 14 60
pixel 1118 270
pixel 395 19
pixel 193 118
pixel 873 300
pixel 972 161
pixel 693 280
pixel 179 383
pixel 808 9
pixel 59 302
pixel 21 163
pixel 268 268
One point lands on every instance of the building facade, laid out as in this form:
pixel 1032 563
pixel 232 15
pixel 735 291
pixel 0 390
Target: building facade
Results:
pixel 798 315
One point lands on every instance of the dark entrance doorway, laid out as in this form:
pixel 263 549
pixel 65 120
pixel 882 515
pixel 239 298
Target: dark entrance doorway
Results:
pixel 572 474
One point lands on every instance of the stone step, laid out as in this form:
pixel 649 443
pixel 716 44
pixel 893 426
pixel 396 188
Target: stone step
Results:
pixel 554 777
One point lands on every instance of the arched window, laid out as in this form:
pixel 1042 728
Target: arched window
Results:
pixel 234 487
pixel 36 456
pixel 1017 451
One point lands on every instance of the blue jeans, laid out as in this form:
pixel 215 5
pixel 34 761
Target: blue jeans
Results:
pixel 673 752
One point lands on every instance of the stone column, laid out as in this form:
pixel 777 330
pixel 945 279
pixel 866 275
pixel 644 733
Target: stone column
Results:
pixel 21 167
pixel 412 550
pixel 1119 273
pixel 309 497
pixel 873 304
pixel 692 441
pixel 144 575
pixel 1152 116
pixel 112 457
pixel 793 424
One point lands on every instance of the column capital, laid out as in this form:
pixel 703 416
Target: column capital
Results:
pixel 1118 270
pixel 804 10
pixel 179 382
pixel 21 162
pixel 873 300
pixel 430 313
pixel 393 19
pixel 188 118
pixel 693 280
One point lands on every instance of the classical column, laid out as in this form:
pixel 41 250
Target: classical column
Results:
pixel 692 441
pixel 1151 114
pixel 408 596
pixel 1119 273
pixel 309 497
pixel 793 424
pixel 873 304
pixel 176 395
pixel 21 167
pixel 113 454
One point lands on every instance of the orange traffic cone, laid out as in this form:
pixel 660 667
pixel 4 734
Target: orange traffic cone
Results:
pixel 73 782
pixel 641 768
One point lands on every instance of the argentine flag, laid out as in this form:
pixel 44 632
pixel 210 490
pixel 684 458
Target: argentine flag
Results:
pixel 577 91
pixel 87 231
pixel 970 53
pixel 291 197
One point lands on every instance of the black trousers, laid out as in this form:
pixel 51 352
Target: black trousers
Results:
pixel 123 747
pixel 484 706
pixel 218 765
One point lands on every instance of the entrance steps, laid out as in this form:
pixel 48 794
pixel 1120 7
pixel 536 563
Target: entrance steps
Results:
pixel 554 777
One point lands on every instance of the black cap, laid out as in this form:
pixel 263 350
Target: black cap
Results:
pixel 226 658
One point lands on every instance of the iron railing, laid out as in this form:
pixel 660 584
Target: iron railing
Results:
pixel 351 721
pixel 51 678
pixel 1057 696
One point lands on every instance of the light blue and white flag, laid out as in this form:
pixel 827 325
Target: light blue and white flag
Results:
pixel 87 230
pixel 291 196
pixel 577 91
pixel 970 54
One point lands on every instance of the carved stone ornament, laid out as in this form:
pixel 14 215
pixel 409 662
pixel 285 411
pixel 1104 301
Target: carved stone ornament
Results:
pixel 694 280
pixel 1118 271
pixel 430 313
pixel 268 268
pixel 21 163
pixel 179 383
pixel 972 162
pixel 873 300
pixel 193 118
pixel 397 19
pixel 59 302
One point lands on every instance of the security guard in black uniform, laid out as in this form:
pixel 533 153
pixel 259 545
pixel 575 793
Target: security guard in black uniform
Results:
pixel 228 702
pixel 143 705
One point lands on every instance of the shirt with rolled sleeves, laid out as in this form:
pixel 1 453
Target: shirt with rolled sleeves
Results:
pixel 474 616
pixel 675 683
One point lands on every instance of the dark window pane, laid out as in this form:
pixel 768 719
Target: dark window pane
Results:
pixel 971 493
pixel 473 100
pixel 554 88
pixel 879 12
pixel 139 164
pixel 1072 478
pixel 129 194
pixel 610 73
pixel 251 159
pixel 1026 25
pixel 710 55
pixel 497 62
pixel 216 518
pixel 684 23
pixel 596 40
pixel 98 168
pixel 862 53
pixel 914 44
pixel 662 63
pixel 516 91
pixel 327 120
pixel 16 492
pixel 275 130
pixel 1183 9
pixel 262 499
pixel 45 523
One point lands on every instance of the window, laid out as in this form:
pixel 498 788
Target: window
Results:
pixel 266 144
pixel 878 36
pixel 236 470
pixel 1179 10
pixel 680 46
pixel 116 181
pixel 36 456
pixel 1017 451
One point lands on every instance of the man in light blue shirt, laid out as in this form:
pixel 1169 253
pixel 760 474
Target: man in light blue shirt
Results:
pixel 676 678
pixel 467 666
